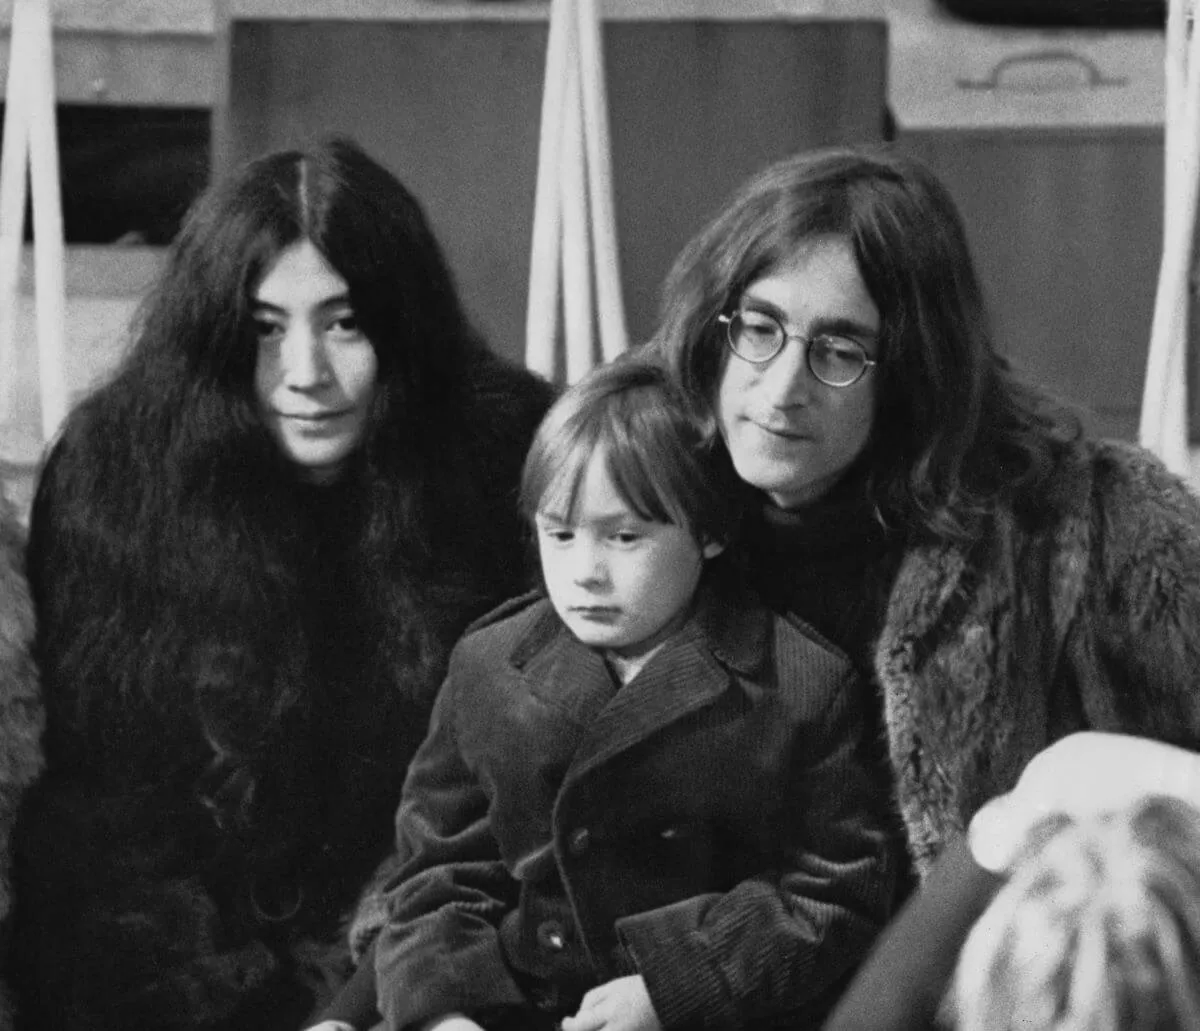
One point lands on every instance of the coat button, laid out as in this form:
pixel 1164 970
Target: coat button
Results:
pixel 579 841
pixel 551 935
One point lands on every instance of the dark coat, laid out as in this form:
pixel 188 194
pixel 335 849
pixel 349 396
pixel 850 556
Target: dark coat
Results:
pixel 716 825
pixel 143 904
pixel 21 713
pixel 1083 614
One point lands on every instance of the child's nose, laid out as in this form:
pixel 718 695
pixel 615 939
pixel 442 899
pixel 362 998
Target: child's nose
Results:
pixel 590 569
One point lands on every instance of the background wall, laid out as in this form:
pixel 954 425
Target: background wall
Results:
pixel 453 109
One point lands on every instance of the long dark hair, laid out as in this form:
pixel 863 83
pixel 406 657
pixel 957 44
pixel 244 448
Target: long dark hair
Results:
pixel 955 427
pixel 171 542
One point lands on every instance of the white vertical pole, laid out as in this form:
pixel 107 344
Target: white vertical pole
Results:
pixel 576 254
pixel 48 250
pixel 14 169
pixel 574 225
pixel 609 304
pixel 541 316
pixel 1163 424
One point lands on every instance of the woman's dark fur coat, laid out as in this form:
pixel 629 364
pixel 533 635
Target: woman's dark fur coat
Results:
pixel 165 883
pixel 20 709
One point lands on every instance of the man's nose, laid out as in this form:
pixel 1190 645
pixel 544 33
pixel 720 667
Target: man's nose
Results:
pixel 788 380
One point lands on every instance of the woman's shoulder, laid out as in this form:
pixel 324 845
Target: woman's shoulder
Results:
pixel 506 400
pixel 20 696
pixel 16 608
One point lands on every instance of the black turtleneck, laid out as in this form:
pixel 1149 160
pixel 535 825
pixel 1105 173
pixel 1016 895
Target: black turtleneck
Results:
pixel 831 563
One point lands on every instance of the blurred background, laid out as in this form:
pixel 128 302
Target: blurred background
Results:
pixel 1045 118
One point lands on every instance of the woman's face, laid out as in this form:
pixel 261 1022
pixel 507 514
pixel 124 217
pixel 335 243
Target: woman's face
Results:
pixel 315 374
pixel 789 434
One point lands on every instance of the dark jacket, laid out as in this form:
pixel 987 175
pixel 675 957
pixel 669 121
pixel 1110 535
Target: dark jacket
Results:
pixel 1083 613
pixel 156 889
pixel 715 825
pixel 21 713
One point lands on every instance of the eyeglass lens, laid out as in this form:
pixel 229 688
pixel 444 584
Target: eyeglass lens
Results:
pixel 758 337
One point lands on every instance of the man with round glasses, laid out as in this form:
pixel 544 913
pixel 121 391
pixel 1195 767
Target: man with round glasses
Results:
pixel 1001 579
pixel 796 417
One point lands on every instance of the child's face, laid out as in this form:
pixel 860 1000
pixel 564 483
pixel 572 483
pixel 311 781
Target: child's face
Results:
pixel 618 581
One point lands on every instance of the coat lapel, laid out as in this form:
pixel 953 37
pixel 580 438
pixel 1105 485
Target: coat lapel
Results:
pixel 692 670
pixel 570 678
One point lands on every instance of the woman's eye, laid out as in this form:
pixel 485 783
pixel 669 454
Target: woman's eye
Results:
pixel 266 331
pixel 558 536
pixel 627 536
pixel 345 325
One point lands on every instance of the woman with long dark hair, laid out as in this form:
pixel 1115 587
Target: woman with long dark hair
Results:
pixel 1003 578
pixel 250 553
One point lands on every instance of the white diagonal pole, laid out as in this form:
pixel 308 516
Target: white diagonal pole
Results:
pixel 1163 424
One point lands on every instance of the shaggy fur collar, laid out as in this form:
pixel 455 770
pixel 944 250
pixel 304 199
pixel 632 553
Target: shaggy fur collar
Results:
pixel 970 647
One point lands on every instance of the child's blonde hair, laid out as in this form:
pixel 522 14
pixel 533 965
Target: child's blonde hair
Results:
pixel 1097 929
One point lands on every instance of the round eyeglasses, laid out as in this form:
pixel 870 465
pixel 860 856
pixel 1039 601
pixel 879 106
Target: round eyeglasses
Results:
pixel 756 337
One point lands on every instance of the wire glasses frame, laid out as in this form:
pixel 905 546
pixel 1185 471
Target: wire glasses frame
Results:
pixel 836 361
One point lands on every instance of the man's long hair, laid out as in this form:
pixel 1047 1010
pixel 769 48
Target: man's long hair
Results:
pixel 954 427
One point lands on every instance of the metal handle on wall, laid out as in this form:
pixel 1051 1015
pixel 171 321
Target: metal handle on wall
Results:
pixel 1096 79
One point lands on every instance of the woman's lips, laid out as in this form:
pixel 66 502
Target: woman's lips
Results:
pixel 598 613
pixel 786 431
pixel 311 416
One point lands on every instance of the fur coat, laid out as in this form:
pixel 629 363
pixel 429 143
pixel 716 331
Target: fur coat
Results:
pixel 146 898
pixel 20 706
pixel 1084 614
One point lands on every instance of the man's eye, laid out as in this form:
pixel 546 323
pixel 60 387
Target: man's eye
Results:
pixel 757 324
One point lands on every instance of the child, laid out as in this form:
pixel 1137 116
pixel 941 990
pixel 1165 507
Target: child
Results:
pixel 643 801
pixel 1098 927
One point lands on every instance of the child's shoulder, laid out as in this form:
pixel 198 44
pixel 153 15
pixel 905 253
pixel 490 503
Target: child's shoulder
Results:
pixel 509 623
